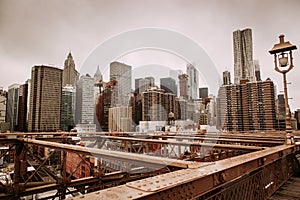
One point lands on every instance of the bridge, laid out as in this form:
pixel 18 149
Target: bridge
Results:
pixel 159 165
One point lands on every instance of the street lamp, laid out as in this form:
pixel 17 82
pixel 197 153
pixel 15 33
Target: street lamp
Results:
pixel 283 60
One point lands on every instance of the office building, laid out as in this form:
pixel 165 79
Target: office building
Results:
pixel 45 99
pixel 120 119
pixel 2 105
pixel 193 81
pixel 12 106
pixel 183 85
pixel 168 84
pixel 243 56
pixel 85 100
pixel 122 74
pixel 70 75
pixel 257 70
pixel 226 78
pixel 23 107
pixel 68 100
pixel 203 92
pixel 105 102
pixel 156 105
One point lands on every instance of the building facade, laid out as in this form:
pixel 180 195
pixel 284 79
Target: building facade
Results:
pixel 169 85
pixel 70 75
pixel 156 105
pixel 23 108
pixel 247 107
pixel 84 100
pixel 68 103
pixel 45 99
pixel 12 107
pixel 2 105
pixel 122 74
pixel 243 56
pixel 120 119
pixel 183 85
pixel 193 81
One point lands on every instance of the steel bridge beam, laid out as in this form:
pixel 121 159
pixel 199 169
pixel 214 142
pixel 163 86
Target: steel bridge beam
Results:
pixel 138 159
pixel 192 183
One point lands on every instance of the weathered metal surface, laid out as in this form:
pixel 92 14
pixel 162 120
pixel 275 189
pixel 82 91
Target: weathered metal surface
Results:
pixel 192 183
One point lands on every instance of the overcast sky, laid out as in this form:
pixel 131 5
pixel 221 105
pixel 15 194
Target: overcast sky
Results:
pixel 43 32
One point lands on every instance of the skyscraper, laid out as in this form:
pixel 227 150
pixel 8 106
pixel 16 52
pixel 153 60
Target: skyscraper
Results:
pixel 23 109
pixel 12 106
pixel 193 81
pixel 183 85
pixel 257 70
pixel 169 85
pixel 85 100
pixel 70 75
pixel 45 99
pixel 156 105
pixel 203 92
pixel 226 78
pixel 2 105
pixel 68 100
pixel 122 74
pixel 243 56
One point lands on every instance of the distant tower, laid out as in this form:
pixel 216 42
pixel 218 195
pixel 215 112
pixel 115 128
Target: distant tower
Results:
pixel 45 99
pixel 98 83
pixel 12 106
pixel 203 92
pixel 226 78
pixel 169 85
pixel 70 75
pixel 2 104
pixel 193 81
pixel 257 70
pixel 122 74
pixel 85 100
pixel 243 56
pixel 23 106
pixel 98 76
pixel 183 85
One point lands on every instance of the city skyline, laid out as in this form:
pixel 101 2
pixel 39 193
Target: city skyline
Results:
pixel 20 50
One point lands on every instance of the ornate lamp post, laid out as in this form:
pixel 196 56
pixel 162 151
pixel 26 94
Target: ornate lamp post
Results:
pixel 283 60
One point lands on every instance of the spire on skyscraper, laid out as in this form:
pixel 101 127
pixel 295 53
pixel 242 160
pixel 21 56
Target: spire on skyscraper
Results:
pixel 98 75
pixel 70 75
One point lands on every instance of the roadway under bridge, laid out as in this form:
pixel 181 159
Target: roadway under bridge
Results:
pixel 147 166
